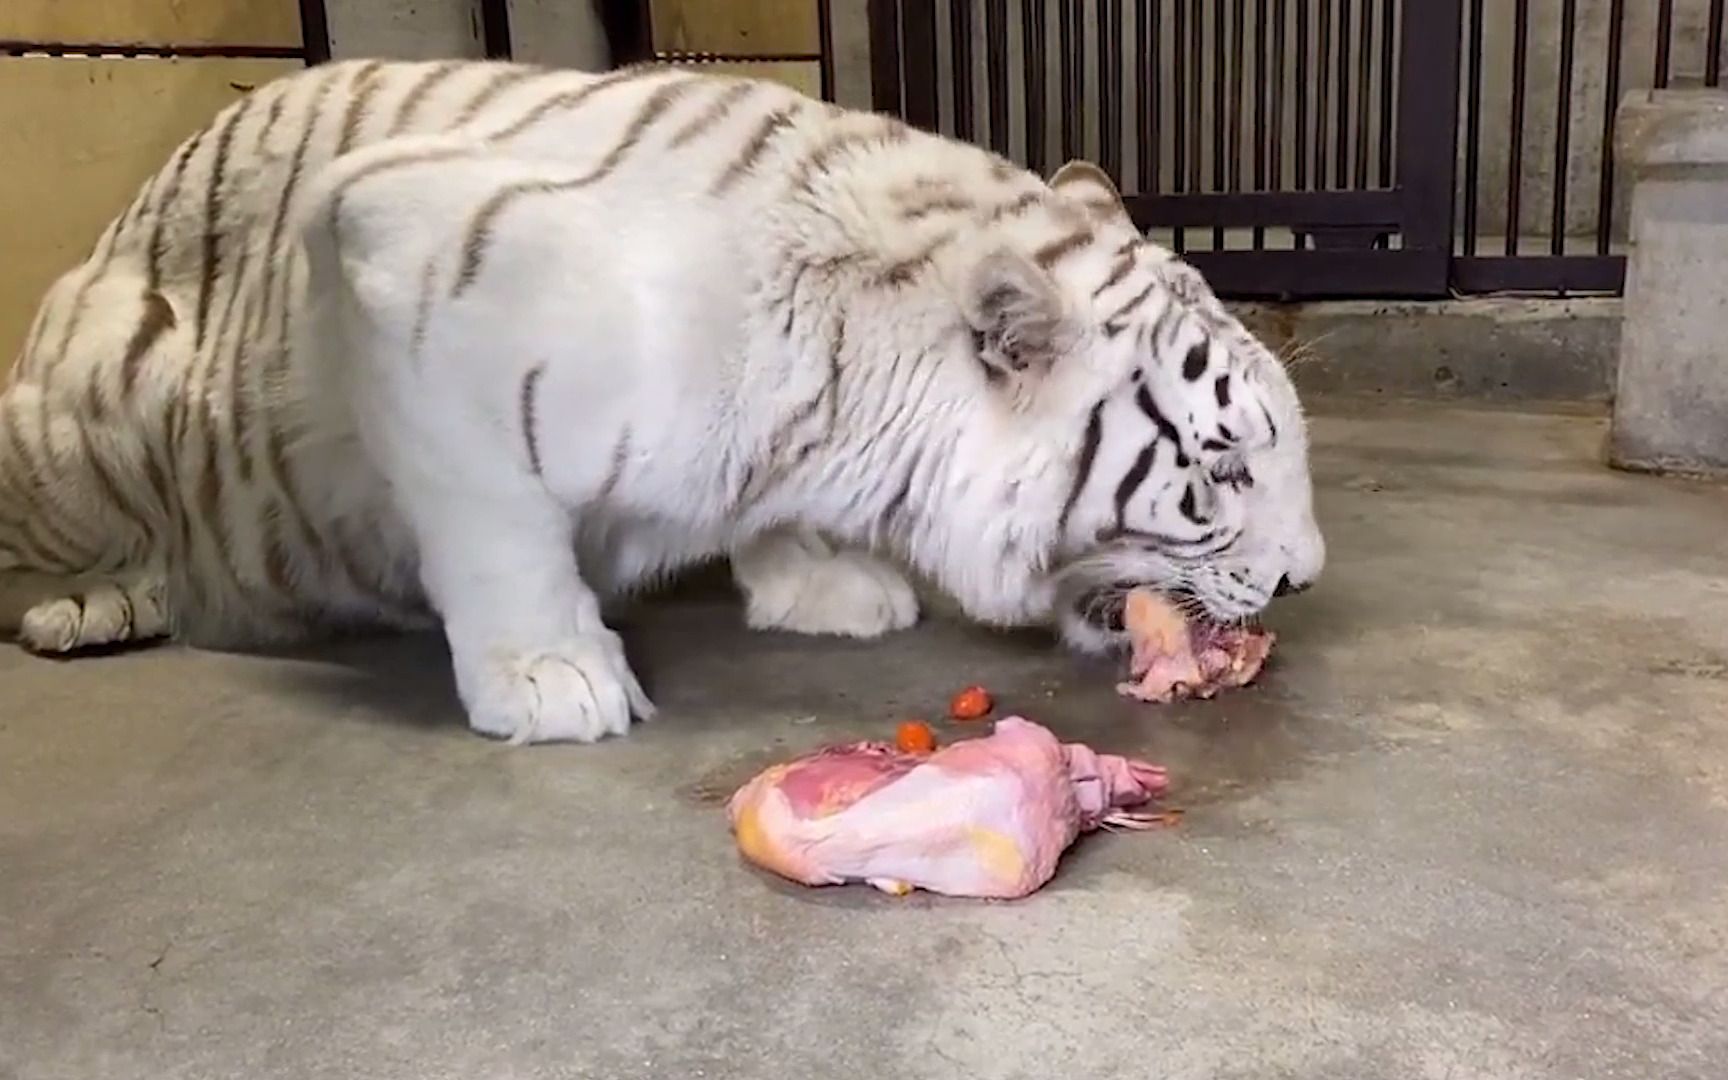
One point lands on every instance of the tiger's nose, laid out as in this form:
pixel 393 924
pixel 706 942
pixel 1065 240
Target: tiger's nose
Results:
pixel 1288 588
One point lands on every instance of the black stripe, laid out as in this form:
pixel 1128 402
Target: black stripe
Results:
pixel 1208 543
pixel 530 387
pixel 111 489
pixel 896 505
pixel 158 234
pixel 753 148
pixel 615 474
pixel 269 125
pixel 566 101
pixel 1269 423
pixel 1135 476
pixel 366 84
pixel 504 80
pixel 1143 398
pixel 1139 298
pixel 1188 506
pixel 1123 267
pixel 1083 467
pixel 158 318
pixel 315 112
pixel 1194 364
pixel 36 489
pixel 417 94
pixel 212 263
pixel 239 368
pixel 1221 390
pixel 710 117
pixel 479 228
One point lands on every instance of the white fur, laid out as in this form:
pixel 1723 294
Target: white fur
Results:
pixel 783 361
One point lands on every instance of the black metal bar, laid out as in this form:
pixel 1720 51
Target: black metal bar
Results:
pixel 1322 93
pixel 918 38
pixel 1179 94
pixel 1110 89
pixel 1033 54
pixel 996 71
pixel 960 46
pixel 825 42
pixel 1179 112
pixel 1218 123
pixel 79 48
pixel 1664 41
pixel 1197 96
pixel 884 20
pixel 315 31
pixel 1610 104
pixel 629 31
pixel 1070 29
pixel 1428 131
pixel 1238 84
pixel 1262 26
pixel 495 29
pixel 1713 45
pixel 1364 86
pixel 1550 274
pixel 1301 147
pixel 1242 209
pixel 1342 149
pixel 1472 124
pixel 1388 80
pixel 1563 125
pixel 1515 160
pixel 1280 13
pixel 1148 67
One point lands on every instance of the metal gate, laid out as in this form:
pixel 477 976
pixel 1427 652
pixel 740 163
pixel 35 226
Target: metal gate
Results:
pixel 1286 147
pixel 1310 148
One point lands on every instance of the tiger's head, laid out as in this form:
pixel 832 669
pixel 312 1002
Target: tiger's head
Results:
pixel 1168 439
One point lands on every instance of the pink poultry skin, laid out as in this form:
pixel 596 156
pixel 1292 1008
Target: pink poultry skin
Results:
pixel 1175 658
pixel 984 818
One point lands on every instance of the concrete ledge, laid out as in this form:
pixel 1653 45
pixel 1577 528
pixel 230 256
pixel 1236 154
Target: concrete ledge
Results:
pixel 1671 398
pixel 1490 350
pixel 1669 129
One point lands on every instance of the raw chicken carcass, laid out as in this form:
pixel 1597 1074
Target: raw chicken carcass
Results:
pixel 1178 658
pixel 983 817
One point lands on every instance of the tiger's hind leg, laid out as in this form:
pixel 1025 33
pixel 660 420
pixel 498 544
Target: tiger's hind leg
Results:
pixel 62 616
pixel 794 580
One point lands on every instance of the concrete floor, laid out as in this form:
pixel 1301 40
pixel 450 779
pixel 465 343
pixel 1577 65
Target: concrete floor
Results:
pixel 1474 823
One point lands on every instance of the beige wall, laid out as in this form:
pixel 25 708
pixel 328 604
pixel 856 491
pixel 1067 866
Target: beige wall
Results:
pixel 79 134
pixel 152 22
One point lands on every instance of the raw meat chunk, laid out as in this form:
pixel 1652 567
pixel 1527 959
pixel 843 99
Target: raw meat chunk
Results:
pixel 985 817
pixel 1177 658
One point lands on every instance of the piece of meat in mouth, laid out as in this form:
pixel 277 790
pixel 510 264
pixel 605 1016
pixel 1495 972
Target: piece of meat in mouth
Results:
pixel 1177 656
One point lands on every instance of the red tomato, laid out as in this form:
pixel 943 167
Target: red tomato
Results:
pixel 915 737
pixel 972 703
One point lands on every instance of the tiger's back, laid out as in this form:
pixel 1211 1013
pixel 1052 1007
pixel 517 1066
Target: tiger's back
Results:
pixel 160 433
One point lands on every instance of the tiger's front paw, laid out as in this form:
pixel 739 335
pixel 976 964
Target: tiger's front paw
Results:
pixel 579 690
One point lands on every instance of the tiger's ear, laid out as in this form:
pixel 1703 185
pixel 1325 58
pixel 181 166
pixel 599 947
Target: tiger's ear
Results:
pixel 1089 185
pixel 1019 322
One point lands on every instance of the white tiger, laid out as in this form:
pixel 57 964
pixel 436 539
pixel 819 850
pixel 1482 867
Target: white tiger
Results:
pixel 497 342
